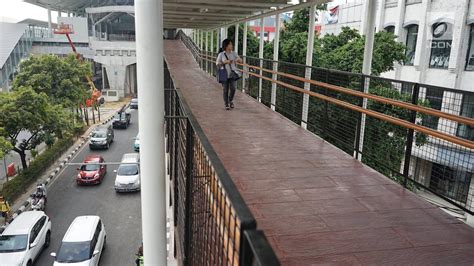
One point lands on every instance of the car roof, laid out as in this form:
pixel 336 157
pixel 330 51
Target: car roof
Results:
pixel 92 158
pixel 23 223
pixel 81 229
pixel 131 158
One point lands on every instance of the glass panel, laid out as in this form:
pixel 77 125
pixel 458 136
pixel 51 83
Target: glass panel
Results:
pixel 441 45
pixel 470 52
pixel 412 35
pixel 466 131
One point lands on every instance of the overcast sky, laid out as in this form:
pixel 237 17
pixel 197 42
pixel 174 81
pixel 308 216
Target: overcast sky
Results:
pixel 17 10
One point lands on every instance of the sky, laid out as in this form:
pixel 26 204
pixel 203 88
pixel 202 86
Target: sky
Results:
pixel 17 10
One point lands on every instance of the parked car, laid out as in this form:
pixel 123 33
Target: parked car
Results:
pixel 121 119
pixel 134 103
pixel 128 173
pixel 101 137
pixel 91 172
pixel 83 242
pixel 136 143
pixel 25 238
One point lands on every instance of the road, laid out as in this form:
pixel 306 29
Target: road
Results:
pixel 120 213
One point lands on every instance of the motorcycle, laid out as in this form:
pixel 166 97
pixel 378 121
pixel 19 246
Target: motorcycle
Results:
pixel 39 198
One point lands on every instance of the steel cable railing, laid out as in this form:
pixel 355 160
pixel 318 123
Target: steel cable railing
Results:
pixel 427 144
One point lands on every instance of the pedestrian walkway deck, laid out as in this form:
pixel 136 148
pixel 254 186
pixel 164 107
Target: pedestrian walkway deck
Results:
pixel 315 203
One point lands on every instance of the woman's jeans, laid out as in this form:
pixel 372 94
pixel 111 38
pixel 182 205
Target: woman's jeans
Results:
pixel 229 91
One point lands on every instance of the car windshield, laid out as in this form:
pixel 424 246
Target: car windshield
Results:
pixel 119 117
pixel 90 167
pixel 13 243
pixel 128 169
pixel 134 100
pixel 74 251
pixel 99 134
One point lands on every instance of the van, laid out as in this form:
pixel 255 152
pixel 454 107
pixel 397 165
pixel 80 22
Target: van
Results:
pixel 83 242
pixel 128 173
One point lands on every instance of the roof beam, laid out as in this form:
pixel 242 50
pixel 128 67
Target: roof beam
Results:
pixel 207 14
pixel 222 6
pixel 254 3
pixel 110 9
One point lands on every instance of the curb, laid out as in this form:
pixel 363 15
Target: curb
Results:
pixel 62 164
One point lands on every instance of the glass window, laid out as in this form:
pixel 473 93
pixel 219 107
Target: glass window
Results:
pixel 412 36
pixel 70 252
pixel 441 45
pixel 435 100
pixel 470 52
pixel 390 29
pixel 128 169
pixel 451 182
pixel 467 109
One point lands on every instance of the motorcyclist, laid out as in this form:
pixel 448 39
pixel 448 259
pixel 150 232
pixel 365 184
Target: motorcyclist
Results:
pixel 41 191
pixel 139 259
pixel 4 207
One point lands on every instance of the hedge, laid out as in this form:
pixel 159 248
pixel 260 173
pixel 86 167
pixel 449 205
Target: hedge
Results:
pixel 18 185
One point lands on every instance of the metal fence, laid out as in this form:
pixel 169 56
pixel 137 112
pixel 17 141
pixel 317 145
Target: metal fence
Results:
pixel 415 159
pixel 213 224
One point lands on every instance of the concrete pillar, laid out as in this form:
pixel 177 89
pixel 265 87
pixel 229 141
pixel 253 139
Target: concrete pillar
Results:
pixel 369 32
pixel 381 16
pixel 59 13
pixel 149 45
pixel 260 55
pixel 50 30
pixel 68 14
pixel 236 39
pixel 309 63
pixel 225 32
pixel 116 75
pixel 276 49
pixel 244 54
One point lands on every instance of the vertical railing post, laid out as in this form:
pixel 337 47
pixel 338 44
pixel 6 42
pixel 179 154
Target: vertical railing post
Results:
pixel 260 59
pixel 309 63
pixel 189 193
pixel 410 135
pixel 359 121
pixel 276 50
pixel 207 51
pixel 211 52
pixel 236 38
pixel 244 54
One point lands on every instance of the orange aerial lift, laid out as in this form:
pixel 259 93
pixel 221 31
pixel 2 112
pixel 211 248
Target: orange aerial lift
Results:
pixel 67 29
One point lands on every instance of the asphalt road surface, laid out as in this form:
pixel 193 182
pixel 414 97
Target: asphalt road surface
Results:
pixel 120 213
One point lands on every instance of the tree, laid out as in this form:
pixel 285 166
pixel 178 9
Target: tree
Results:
pixel 252 40
pixel 61 78
pixel 5 146
pixel 25 110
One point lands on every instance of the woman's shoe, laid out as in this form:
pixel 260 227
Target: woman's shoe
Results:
pixel 232 105
pixel 227 107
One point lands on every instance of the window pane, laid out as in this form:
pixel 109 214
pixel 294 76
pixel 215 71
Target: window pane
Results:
pixel 441 45
pixel 465 131
pixel 435 99
pixel 390 29
pixel 470 51
pixel 412 36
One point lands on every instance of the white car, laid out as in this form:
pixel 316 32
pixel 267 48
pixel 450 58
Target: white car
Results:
pixel 24 239
pixel 83 242
pixel 128 173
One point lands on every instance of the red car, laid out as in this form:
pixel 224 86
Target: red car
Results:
pixel 91 173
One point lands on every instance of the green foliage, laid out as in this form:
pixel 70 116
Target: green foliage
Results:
pixel 385 142
pixel 17 186
pixel 25 110
pixel 252 40
pixel 61 78
pixel 5 145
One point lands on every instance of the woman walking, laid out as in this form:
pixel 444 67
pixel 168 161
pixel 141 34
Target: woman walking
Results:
pixel 227 59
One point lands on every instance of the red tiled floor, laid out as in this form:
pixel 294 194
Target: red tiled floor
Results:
pixel 316 204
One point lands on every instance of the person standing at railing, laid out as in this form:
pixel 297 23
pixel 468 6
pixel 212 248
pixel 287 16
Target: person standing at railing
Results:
pixel 227 60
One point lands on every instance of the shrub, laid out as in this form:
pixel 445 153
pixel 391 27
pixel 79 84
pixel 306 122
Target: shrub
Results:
pixel 17 186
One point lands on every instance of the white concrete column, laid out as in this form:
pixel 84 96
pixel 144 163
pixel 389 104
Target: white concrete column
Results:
pixel 212 41
pixel 309 63
pixel 50 30
pixel 236 41
pixel 460 45
pixel 149 43
pixel 116 75
pixel 225 33
pixel 260 56
pixel 59 13
pixel 381 16
pixel 276 49
pixel 244 54
pixel 369 31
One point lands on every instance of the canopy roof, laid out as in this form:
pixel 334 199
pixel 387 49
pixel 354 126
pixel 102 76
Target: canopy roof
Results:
pixel 179 13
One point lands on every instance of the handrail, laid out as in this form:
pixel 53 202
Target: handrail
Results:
pixel 384 117
pixel 429 111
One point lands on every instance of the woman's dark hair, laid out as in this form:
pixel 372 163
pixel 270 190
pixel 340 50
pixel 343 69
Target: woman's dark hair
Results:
pixel 225 43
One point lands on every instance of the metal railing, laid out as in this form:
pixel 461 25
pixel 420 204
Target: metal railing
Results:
pixel 417 134
pixel 213 224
